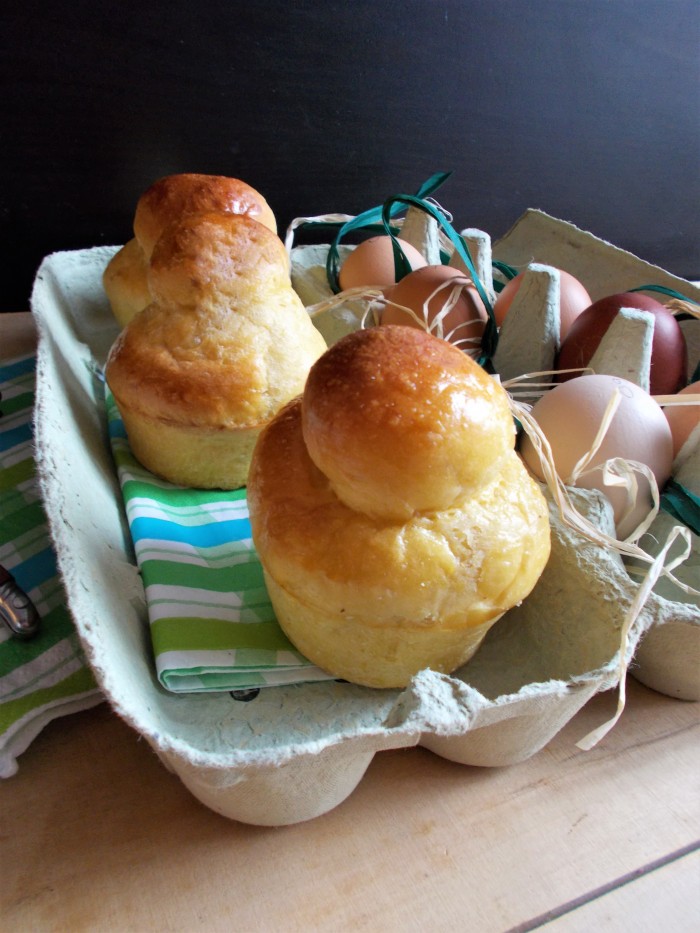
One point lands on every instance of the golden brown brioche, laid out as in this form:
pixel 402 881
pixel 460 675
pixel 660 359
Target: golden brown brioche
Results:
pixel 175 196
pixel 167 201
pixel 224 345
pixel 125 280
pixel 393 518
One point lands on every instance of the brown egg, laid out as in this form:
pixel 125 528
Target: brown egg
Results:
pixel 683 419
pixel 570 416
pixel 573 299
pixel 668 371
pixel 371 263
pixel 426 292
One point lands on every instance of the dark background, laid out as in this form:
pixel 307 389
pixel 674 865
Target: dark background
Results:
pixel 587 109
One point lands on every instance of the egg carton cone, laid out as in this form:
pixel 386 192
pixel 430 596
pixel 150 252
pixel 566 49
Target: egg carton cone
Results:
pixel 294 752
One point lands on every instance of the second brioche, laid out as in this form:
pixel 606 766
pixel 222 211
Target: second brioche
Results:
pixel 393 518
pixel 224 345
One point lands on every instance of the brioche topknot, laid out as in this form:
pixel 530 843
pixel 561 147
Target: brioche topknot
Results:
pixel 431 422
pixel 175 196
pixel 166 202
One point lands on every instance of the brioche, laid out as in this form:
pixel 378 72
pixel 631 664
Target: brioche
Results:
pixel 168 200
pixel 224 345
pixel 393 518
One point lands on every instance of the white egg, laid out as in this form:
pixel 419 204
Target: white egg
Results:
pixel 570 416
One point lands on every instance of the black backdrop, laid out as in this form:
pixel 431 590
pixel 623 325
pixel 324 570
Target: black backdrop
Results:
pixel 588 109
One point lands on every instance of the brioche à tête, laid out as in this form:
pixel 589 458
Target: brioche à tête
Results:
pixel 225 343
pixel 394 520
pixel 169 200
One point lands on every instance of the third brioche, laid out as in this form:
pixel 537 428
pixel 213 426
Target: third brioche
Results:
pixel 393 518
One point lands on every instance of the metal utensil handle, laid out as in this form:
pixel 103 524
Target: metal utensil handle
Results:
pixel 17 610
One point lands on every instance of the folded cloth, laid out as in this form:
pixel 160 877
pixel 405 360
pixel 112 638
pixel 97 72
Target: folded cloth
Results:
pixel 46 676
pixel 211 620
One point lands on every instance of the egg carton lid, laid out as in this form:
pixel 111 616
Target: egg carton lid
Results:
pixel 293 753
pixel 604 269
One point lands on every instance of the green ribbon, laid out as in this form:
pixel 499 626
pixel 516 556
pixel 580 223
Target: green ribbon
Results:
pixel 509 272
pixel 490 339
pixel 682 504
pixel 372 220
pixel 663 290
pixel 379 220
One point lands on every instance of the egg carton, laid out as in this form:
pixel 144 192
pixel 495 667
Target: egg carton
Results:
pixel 293 753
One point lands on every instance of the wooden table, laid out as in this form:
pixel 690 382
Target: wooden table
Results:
pixel 97 836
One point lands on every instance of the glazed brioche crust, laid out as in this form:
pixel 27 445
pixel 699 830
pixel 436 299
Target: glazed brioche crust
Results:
pixel 173 197
pixel 168 201
pixel 400 423
pixel 125 280
pixel 438 570
pixel 210 258
pixel 227 341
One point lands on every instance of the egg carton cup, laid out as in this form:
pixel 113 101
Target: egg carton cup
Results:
pixel 293 753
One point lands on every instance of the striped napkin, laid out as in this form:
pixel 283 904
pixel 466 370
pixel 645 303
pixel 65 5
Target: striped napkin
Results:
pixel 47 676
pixel 212 623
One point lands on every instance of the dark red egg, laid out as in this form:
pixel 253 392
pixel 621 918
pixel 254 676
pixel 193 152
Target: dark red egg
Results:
pixel 669 362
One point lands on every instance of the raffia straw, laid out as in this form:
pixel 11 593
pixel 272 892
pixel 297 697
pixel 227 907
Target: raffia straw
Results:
pixel 608 415
pixel 456 285
pixel 677 306
pixel 618 472
pixel 523 385
pixel 319 218
pixel 645 588
pixel 677 401
pixel 628 547
pixel 377 300
pixel 623 473
pixel 443 210
pixel 373 296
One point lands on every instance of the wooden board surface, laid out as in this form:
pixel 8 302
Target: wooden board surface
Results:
pixel 98 836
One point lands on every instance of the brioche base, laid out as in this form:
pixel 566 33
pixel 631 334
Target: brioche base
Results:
pixel 374 656
pixel 204 458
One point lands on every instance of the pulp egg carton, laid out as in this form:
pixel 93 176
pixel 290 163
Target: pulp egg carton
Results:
pixel 292 753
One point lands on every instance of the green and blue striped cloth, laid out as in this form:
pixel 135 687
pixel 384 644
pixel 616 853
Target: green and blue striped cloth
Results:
pixel 46 676
pixel 212 624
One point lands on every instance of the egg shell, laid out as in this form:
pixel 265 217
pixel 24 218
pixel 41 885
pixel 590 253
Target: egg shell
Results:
pixel 573 300
pixel 463 324
pixel 570 416
pixel 683 419
pixel 371 263
pixel 668 372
